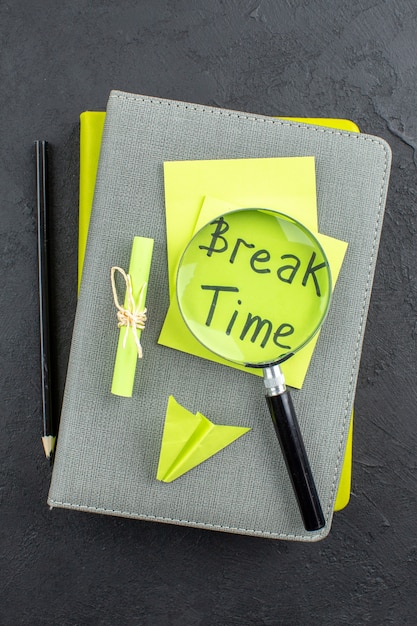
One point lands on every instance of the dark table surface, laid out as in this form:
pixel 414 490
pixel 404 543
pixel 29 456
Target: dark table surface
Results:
pixel 354 59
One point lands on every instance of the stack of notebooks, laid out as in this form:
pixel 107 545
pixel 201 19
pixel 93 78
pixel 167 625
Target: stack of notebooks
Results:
pixel 108 446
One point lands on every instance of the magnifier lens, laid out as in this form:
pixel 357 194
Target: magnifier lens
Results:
pixel 254 286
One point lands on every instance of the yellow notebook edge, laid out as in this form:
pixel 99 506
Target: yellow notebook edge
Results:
pixel 91 132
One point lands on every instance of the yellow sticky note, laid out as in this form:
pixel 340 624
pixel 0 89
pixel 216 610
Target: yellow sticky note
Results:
pixel 282 184
pixel 190 439
pixel 175 333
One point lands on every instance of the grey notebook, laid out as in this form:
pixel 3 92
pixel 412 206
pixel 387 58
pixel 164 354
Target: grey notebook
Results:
pixel 108 446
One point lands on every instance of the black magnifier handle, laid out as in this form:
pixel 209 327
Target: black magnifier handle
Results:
pixel 288 431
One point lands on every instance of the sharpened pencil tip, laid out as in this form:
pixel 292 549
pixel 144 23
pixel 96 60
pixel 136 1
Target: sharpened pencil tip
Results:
pixel 49 446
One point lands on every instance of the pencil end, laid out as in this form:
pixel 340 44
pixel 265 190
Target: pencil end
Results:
pixel 49 447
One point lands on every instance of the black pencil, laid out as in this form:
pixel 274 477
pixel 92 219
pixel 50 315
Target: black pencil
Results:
pixel 49 436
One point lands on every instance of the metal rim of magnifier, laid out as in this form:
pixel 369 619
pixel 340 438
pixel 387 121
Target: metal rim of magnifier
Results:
pixel 306 232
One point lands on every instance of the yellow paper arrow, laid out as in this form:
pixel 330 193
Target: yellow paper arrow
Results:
pixel 190 439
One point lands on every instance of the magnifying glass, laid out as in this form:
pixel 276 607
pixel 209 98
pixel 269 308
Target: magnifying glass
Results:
pixel 254 286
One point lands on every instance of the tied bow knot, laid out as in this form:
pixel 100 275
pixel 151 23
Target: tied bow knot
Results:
pixel 133 316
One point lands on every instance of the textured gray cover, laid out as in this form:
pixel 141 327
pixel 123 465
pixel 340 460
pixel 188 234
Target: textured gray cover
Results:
pixel 108 447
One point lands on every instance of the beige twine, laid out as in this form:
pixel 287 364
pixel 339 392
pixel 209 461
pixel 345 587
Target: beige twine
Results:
pixel 131 317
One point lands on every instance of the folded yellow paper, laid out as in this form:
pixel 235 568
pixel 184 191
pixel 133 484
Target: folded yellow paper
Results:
pixel 190 439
